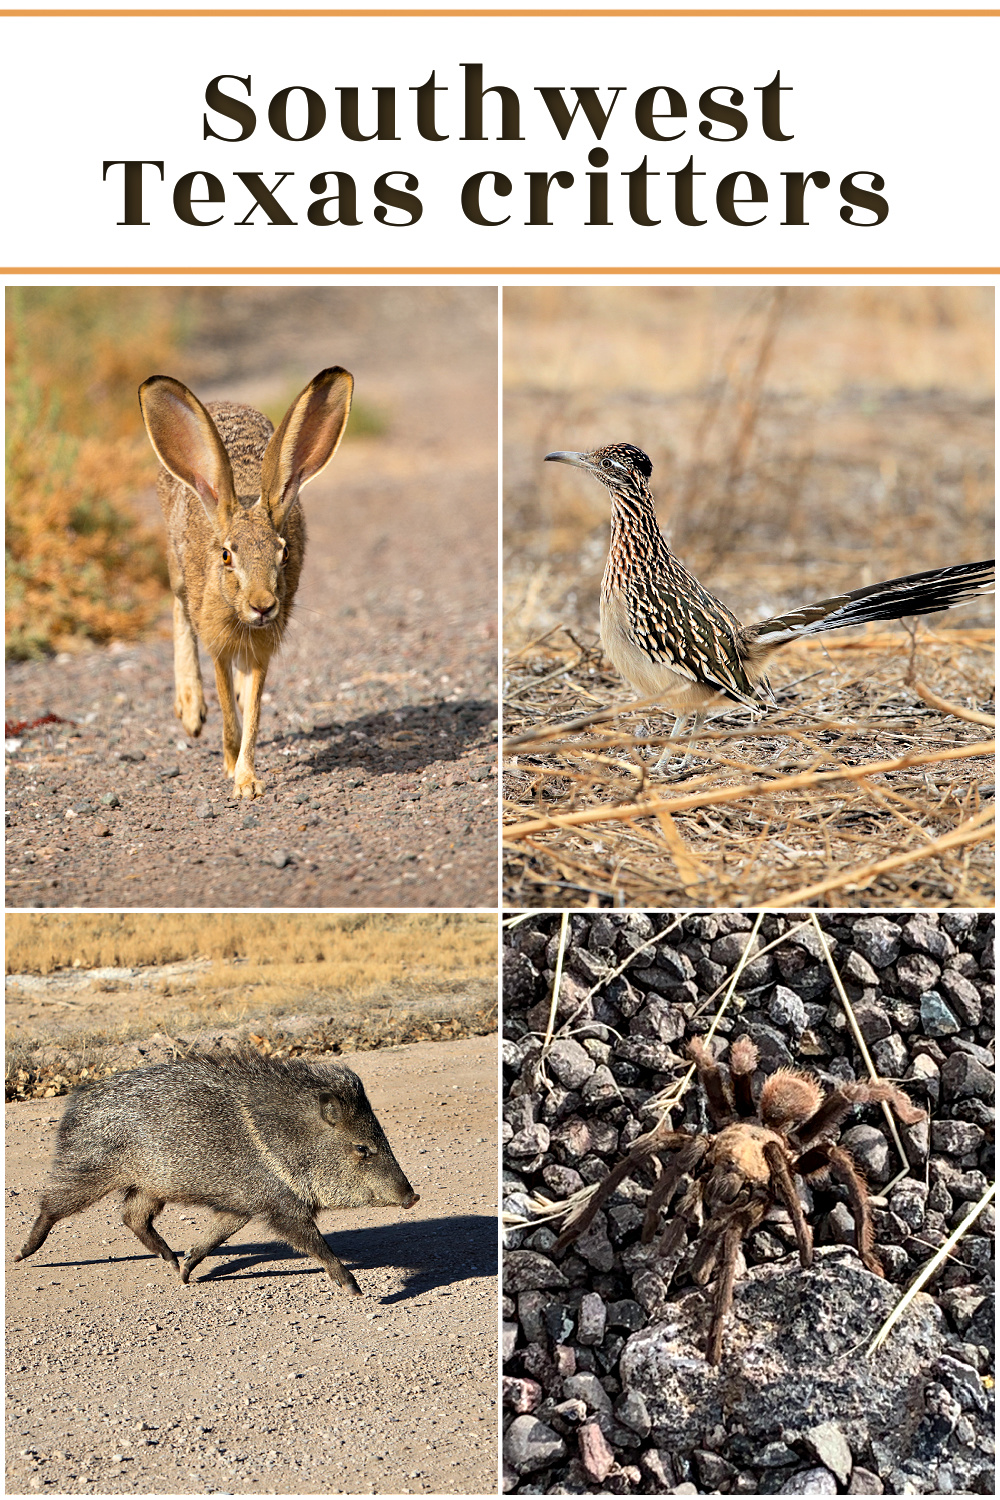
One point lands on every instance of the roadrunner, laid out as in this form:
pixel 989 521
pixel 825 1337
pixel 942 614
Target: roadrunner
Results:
pixel 674 641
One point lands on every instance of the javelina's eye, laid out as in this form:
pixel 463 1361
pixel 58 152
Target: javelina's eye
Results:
pixel 363 1151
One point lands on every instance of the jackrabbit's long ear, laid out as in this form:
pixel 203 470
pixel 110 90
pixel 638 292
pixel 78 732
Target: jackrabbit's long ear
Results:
pixel 186 442
pixel 307 439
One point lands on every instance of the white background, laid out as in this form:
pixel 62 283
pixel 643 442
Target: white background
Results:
pixel 911 98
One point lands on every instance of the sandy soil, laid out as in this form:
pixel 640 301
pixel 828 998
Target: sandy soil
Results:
pixel 377 743
pixel 259 1378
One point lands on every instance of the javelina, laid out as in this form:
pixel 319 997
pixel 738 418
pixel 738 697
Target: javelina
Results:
pixel 244 1135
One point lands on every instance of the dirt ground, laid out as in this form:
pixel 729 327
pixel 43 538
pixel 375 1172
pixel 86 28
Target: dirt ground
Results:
pixel 259 1378
pixel 377 743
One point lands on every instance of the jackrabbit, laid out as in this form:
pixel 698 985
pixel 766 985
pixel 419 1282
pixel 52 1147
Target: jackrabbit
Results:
pixel 236 539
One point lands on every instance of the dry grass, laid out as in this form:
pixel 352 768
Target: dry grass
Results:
pixel 79 567
pixel 821 439
pixel 354 970
pixel 359 950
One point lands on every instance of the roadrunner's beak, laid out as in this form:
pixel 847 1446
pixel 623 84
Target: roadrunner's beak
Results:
pixel 579 460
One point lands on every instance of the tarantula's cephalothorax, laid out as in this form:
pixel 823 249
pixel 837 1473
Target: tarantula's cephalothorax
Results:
pixel 726 1182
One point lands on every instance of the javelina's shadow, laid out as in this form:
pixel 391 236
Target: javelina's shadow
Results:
pixel 435 1252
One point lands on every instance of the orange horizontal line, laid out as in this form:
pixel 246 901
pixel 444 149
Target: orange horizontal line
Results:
pixel 500 14
pixel 500 270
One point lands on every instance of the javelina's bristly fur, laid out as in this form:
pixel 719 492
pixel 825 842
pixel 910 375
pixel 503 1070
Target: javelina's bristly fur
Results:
pixel 244 1135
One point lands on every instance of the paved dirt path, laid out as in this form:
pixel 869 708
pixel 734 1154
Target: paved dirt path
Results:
pixel 377 743
pixel 259 1378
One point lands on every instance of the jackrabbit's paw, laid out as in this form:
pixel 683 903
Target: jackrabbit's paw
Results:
pixel 246 784
pixel 192 712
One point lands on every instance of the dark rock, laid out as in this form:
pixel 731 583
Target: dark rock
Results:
pixel 529 1445
pixel 601 1088
pixel 962 996
pixel 810 1482
pixel 873 1021
pixel 858 970
pixel 877 939
pixel 570 1062
pixel 962 1077
pixel 963 1382
pixel 864 1482
pixel 956 1137
pixel 775 1456
pixel 915 973
pixel 626 1314
pixel 870 1150
pixel 786 1008
pixel 890 1056
pixel 923 932
pixel 530 1141
pixel 592 1319
pixel 586 1387
pixel 715 1474
pixel 526 1270
pixel 935 1016
pixel 908 1201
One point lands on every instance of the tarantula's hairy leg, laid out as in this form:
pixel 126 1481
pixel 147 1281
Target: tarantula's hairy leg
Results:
pixel 735 1231
pixel 720 1106
pixel 836 1105
pixel 647 1145
pixel 672 1241
pixel 828 1157
pixel 775 1157
pixel 743 1058
pixel 686 1161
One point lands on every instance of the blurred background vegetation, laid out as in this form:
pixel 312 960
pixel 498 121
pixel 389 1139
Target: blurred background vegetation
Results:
pixel 804 439
pixel 79 565
pixel 85 556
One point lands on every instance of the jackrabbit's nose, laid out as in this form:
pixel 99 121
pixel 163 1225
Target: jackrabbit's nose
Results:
pixel 264 612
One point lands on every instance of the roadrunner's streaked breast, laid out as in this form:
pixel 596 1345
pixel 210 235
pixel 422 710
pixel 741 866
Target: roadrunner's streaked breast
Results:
pixel 674 641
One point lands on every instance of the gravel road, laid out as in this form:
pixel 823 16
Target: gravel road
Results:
pixel 259 1378
pixel 377 742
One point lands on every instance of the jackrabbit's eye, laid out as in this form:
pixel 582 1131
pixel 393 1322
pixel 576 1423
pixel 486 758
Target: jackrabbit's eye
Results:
pixel 227 556
pixel 284 554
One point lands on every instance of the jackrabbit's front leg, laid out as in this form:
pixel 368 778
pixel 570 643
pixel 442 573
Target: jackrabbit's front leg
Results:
pixel 246 783
pixel 189 696
pixel 230 715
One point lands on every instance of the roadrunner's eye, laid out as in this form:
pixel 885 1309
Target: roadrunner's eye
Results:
pixel 227 556
pixel 607 463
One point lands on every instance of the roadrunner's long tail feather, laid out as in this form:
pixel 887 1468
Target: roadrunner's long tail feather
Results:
pixel 916 594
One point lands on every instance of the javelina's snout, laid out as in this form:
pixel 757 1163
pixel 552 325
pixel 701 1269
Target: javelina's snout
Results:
pixel 246 1136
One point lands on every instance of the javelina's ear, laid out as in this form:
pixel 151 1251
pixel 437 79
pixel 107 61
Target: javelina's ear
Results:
pixel 331 1108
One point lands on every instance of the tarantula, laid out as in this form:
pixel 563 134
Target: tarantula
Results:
pixel 730 1179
